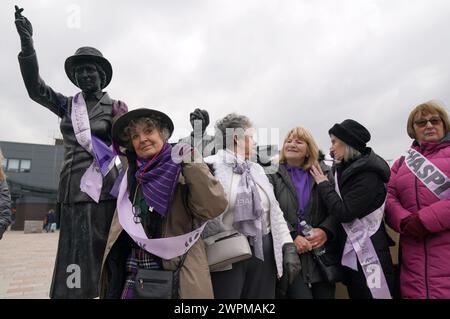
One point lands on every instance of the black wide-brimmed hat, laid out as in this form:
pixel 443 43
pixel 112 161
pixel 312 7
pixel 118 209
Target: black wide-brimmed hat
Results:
pixel 88 54
pixel 122 122
pixel 351 133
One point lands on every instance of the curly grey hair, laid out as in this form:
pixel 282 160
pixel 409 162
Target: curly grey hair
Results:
pixel 231 125
pixel 148 123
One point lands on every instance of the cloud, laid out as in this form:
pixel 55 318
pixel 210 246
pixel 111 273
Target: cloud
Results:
pixel 282 63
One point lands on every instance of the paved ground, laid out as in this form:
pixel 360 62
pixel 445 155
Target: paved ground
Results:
pixel 26 264
pixel 27 261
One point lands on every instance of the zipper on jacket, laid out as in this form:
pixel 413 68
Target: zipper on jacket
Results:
pixel 424 242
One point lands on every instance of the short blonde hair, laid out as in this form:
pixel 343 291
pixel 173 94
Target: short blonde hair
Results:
pixel 303 134
pixel 427 108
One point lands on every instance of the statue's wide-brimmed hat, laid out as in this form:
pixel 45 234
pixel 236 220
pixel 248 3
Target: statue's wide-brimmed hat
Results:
pixel 88 54
pixel 119 125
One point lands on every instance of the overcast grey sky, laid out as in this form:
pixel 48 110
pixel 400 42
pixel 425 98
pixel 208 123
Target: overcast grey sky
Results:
pixel 283 63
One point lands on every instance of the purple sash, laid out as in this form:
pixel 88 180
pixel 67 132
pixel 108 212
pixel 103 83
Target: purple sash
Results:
pixel 359 247
pixel 166 248
pixel 104 156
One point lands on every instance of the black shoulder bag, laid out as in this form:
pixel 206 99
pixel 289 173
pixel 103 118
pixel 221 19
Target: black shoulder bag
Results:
pixel 160 284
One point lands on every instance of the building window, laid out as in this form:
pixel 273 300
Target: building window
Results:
pixel 18 165
pixel 25 166
pixel 13 165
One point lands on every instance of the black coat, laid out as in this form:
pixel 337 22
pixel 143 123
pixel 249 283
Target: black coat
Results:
pixel 362 183
pixel 76 158
pixel 316 215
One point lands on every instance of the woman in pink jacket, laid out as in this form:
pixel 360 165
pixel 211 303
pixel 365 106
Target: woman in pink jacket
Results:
pixel 418 205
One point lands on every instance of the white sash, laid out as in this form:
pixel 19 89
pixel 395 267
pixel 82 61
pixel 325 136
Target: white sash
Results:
pixel 166 248
pixel 428 173
pixel 358 246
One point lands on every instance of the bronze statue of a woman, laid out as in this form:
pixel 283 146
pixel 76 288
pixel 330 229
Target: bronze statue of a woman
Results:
pixel 85 206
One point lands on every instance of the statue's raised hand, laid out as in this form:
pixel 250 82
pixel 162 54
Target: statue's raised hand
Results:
pixel 23 25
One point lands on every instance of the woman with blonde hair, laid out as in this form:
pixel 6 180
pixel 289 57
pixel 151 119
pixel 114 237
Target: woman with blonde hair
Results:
pixel 418 204
pixel 299 200
pixel 5 201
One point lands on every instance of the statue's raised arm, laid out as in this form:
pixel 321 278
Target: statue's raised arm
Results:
pixel 25 30
pixel 37 89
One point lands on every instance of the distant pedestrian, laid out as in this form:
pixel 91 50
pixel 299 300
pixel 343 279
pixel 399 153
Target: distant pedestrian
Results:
pixel 51 221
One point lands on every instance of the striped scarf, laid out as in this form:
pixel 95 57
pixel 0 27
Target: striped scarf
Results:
pixel 159 178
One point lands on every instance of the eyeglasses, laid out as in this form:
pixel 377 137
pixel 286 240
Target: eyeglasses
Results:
pixel 423 122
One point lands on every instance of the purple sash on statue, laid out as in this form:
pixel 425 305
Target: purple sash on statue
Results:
pixel 166 248
pixel 104 156
pixel 359 247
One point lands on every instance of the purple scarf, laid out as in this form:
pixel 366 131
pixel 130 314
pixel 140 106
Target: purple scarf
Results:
pixel 159 178
pixel 302 183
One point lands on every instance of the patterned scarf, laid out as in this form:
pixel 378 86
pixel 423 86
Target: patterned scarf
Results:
pixel 248 209
pixel 159 178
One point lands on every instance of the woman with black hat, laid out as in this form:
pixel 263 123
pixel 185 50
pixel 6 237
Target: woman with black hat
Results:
pixel 162 202
pixel 357 202
pixel 84 204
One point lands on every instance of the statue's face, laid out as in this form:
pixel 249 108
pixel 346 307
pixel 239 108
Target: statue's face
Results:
pixel 88 77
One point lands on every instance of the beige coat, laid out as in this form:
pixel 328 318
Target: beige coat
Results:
pixel 206 200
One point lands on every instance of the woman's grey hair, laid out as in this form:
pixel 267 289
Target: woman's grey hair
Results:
pixel 231 125
pixel 148 123
pixel 350 153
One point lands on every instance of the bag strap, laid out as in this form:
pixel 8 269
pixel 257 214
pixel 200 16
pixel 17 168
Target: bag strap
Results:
pixel 180 265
